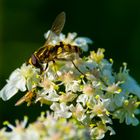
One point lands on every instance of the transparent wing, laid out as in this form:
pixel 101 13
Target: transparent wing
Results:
pixel 57 27
pixel 58 23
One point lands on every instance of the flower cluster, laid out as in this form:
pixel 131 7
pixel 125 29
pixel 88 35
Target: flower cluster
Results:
pixel 85 90
pixel 46 127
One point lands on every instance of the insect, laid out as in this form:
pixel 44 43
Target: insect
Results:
pixel 50 52
pixel 28 97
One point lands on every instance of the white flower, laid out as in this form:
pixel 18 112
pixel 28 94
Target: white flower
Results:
pixel 73 86
pixel 49 90
pixel 99 131
pixel 85 91
pixel 129 85
pixel 82 98
pixel 78 111
pixel 69 81
pixel 32 134
pixel 17 132
pixel 106 72
pixel 31 75
pixel 18 80
pixel 82 42
pixel 47 95
pixel 128 111
pixel 67 97
pixel 114 88
pixel 69 39
pixel 88 93
pixel 114 101
pixel 61 110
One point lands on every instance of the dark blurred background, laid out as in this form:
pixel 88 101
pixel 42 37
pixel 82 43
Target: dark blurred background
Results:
pixel 111 24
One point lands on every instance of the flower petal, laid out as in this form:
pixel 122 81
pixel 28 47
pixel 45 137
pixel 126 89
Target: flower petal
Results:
pixel 82 42
pixel 8 91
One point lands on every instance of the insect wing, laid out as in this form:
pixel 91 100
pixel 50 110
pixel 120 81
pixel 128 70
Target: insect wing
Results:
pixel 57 27
pixel 58 23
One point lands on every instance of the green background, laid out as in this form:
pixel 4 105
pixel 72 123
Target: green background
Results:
pixel 111 24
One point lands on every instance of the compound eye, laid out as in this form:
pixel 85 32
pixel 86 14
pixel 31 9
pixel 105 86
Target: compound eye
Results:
pixel 33 59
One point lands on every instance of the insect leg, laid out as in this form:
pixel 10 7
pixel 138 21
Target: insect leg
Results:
pixel 63 59
pixel 55 68
pixel 46 67
pixel 78 68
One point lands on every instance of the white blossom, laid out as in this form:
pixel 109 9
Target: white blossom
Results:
pixel 61 110
pixel 85 94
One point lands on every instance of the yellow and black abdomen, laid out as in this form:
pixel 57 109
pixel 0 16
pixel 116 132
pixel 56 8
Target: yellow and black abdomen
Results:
pixel 65 49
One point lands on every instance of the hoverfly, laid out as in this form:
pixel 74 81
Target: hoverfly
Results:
pixel 48 53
